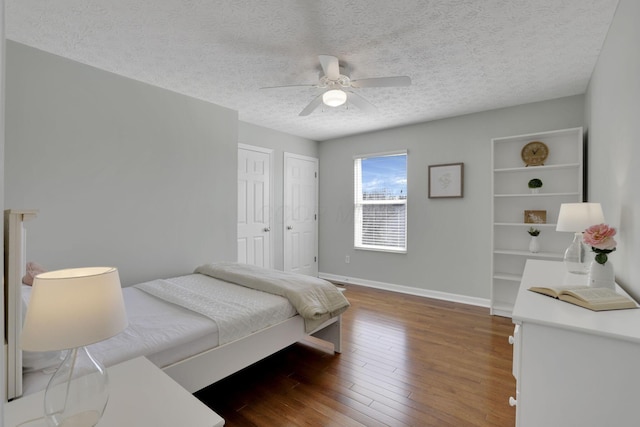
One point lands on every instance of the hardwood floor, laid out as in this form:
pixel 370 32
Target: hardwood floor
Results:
pixel 406 360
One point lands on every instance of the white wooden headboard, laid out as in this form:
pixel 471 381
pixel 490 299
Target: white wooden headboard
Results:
pixel 14 269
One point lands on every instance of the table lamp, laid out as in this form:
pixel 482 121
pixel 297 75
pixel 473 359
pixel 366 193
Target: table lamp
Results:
pixel 70 309
pixel 577 217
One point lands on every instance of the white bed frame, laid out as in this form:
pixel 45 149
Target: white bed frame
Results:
pixel 193 373
pixel 213 365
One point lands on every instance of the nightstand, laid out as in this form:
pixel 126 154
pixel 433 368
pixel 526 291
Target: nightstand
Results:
pixel 140 395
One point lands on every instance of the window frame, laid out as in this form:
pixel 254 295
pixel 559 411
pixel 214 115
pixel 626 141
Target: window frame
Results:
pixel 359 202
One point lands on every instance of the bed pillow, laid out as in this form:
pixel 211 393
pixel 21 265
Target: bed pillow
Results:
pixel 33 270
pixel 46 361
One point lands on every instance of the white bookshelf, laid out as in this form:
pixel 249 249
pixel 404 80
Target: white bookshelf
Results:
pixel 562 177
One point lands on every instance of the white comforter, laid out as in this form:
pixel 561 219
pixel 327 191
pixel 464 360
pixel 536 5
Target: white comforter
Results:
pixel 316 300
pixel 237 311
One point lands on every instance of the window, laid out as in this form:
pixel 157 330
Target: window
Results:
pixel 380 208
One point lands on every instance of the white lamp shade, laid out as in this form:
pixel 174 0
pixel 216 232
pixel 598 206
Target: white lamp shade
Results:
pixel 577 217
pixel 334 97
pixel 72 308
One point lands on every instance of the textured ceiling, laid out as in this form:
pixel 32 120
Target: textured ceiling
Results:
pixel 463 56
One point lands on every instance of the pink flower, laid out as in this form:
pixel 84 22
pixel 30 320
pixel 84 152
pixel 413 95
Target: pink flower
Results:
pixel 600 237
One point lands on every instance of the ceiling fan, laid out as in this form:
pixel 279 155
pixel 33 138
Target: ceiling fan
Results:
pixel 336 86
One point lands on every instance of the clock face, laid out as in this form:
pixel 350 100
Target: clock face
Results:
pixel 534 153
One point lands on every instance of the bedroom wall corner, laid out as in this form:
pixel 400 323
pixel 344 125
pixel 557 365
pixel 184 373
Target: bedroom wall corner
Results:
pixel 123 173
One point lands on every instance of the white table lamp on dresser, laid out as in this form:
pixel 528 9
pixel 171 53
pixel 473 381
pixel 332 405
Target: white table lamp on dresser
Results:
pixel 577 217
pixel 70 309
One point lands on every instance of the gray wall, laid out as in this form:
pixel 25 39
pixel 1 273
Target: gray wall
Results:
pixel 123 173
pixel 448 239
pixel 612 115
pixel 280 143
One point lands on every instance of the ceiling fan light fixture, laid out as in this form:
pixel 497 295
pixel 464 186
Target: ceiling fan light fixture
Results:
pixel 334 97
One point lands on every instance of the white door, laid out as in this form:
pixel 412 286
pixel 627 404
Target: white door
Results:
pixel 300 214
pixel 254 204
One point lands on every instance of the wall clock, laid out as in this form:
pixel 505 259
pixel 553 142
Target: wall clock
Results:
pixel 534 153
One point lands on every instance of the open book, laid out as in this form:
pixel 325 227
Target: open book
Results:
pixel 595 299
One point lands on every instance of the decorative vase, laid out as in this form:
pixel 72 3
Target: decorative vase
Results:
pixel 534 245
pixel 535 190
pixel 601 275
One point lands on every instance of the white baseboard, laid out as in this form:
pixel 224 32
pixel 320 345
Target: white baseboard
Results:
pixel 481 302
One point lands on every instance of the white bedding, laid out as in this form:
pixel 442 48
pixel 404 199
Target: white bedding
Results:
pixel 237 311
pixel 315 299
pixel 166 333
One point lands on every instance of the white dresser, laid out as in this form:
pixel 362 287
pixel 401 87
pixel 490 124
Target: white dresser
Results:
pixel 573 366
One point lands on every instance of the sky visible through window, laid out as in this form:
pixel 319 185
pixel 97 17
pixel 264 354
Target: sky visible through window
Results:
pixel 385 174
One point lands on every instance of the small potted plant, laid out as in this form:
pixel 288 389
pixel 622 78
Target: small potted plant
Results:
pixel 535 184
pixel 534 245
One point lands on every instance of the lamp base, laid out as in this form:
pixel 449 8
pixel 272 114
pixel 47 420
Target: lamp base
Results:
pixel 83 419
pixel 77 393
pixel 575 256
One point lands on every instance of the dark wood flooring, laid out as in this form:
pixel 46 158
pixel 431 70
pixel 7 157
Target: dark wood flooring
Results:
pixel 406 361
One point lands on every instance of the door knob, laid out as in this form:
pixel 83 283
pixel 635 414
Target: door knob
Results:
pixel 266 229
pixel 289 227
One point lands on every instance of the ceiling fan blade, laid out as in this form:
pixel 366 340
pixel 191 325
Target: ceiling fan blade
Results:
pixel 361 103
pixel 312 106
pixel 286 86
pixel 382 82
pixel 330 66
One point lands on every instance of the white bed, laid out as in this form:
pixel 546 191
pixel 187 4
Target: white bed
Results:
pixel 189 346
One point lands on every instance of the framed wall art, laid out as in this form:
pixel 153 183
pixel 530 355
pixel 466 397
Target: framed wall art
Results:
pixel 535 217
pixel 446 181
